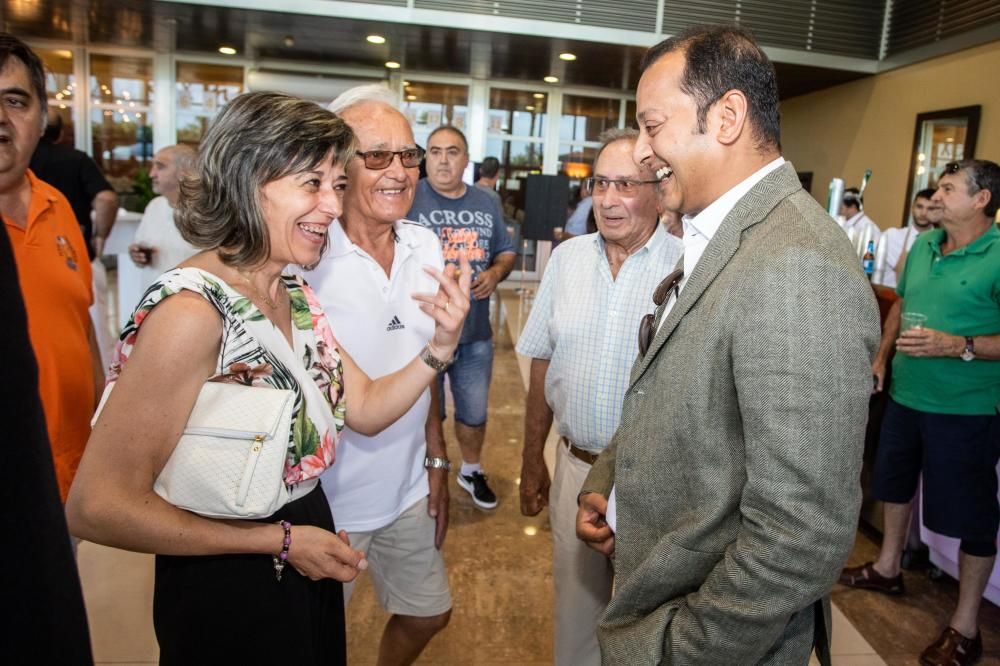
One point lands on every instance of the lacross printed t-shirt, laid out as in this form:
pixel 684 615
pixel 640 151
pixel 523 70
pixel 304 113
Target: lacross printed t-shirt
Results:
pixel 474 222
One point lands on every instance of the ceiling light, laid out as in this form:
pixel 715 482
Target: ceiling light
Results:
pixel 406 84
pixel 567 56
pixel 65 54
pixel 411 97
pixel 289 41
pixel 392 64
pixel 551 79
pixel 227 50
pixel 529 108
pixel 539 95
pixel 375 39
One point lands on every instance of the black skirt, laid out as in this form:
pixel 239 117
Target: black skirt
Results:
pixel 230 609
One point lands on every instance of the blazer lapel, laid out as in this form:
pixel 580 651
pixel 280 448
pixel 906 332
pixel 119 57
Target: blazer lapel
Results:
pixel 748 211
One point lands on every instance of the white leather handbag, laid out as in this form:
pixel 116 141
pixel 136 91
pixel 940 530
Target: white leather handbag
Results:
pixel 230 460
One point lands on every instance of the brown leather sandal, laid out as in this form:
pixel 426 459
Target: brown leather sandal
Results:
pixel 953 649
pixel 866 577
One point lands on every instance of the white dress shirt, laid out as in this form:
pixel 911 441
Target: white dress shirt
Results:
pixel 860 229
pixel 891 246
pixel 698 233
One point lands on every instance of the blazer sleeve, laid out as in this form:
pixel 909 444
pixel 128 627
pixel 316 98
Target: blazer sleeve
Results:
pixel 601 477
pixel 806 331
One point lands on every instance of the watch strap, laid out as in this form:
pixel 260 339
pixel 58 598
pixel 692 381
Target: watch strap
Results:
pixel 433 361
pixel 970 349
pixel 437 463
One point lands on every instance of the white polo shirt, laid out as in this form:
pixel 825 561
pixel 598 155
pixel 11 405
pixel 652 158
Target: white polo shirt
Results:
pixel 375 320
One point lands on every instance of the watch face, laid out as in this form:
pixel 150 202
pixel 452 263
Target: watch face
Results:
pixel 968 355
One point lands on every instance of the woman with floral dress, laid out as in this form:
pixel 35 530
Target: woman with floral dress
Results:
pixel 268 185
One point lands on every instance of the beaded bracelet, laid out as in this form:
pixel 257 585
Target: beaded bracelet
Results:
pixel 282 558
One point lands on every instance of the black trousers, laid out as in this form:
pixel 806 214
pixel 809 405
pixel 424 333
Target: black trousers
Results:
pixel 230 609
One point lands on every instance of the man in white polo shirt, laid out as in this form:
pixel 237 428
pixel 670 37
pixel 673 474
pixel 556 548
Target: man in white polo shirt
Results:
pixel 380 490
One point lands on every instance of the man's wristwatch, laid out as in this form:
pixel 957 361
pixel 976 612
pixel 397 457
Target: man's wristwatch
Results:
pixel 433 361
pixel 970 349
pixel 437 463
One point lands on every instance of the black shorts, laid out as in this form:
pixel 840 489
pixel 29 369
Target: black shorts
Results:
pixel 958 455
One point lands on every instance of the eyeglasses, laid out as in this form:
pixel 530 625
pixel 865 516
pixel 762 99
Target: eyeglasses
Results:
pixel 646 331
pixel 626 186
pixel 380 159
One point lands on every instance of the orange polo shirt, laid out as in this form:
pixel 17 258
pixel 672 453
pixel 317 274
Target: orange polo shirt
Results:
pixel 54 273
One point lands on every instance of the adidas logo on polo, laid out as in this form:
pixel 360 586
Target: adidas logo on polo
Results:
pixel 394 325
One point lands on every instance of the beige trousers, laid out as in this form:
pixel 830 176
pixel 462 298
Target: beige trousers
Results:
pixel 582 576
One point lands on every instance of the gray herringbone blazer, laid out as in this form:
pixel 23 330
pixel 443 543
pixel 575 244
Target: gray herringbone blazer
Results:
pixel 738 457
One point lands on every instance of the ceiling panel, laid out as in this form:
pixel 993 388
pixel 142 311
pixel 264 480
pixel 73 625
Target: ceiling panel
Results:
pixel 332 41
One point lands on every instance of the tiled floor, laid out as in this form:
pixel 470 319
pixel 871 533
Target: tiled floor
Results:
pixel 500 572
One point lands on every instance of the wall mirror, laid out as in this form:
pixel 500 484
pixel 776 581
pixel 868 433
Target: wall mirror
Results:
pixel 939 137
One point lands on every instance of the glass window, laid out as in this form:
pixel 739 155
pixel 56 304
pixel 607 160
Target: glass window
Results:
pixel 429 105
pixel 60 87
pixel 630 115
pixel 121 91
pixel 202 91
pixel 584 118
pixel 577 162
pixel 121 80
pixel 518 160
pixel 517 113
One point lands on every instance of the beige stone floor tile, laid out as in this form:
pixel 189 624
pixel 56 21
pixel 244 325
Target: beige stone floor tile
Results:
pixel 846 639
pixel 118 592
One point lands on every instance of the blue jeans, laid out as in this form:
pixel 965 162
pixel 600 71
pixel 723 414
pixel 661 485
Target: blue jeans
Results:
pixel 469 377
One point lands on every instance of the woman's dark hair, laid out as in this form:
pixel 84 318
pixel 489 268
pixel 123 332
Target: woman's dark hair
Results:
pixel 721 58
pixel 258 138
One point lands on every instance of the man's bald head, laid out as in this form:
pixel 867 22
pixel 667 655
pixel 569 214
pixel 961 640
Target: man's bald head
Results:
pixel 170 164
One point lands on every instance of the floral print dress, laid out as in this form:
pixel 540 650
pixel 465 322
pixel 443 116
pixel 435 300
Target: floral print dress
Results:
pixel 254 352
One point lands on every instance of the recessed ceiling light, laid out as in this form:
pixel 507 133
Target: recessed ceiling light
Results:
pixel 567 56
pixel 392 64
pixel 411 97
pixel 375 39
pixel 406 84
pixel 539 95
pixel 551 79
pixel 289 41
pixel 529 108
pixel 227 50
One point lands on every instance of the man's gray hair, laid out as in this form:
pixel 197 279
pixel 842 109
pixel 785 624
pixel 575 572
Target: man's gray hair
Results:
pixel 371 92
pixel 614 135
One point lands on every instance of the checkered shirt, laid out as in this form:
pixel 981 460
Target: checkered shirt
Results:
pixel 586 324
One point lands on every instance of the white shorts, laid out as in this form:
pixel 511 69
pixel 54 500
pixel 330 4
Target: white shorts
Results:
pixel 406 568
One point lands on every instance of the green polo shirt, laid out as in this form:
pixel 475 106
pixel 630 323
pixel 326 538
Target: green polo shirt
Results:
pixel 960 294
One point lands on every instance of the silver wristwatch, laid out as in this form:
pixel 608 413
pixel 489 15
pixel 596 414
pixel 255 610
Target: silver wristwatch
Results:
pixel 433 361
pixel 437 463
